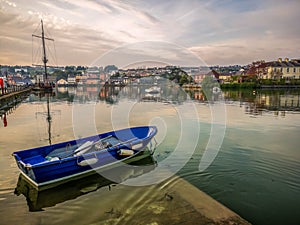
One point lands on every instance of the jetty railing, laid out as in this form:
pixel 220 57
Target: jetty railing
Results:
pixel 12 94
pixel 13 88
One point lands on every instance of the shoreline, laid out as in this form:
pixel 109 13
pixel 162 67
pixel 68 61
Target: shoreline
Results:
pixel 177 202
pixel 204 205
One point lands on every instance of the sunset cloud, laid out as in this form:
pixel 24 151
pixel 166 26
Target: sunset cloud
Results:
pixel 218 31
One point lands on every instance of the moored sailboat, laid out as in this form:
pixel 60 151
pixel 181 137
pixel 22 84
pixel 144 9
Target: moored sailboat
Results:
pixel 45 85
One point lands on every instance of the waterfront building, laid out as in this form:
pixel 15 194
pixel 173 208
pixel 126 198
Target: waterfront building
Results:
pixel 225 78
pixel 92 79
pixel 286 69
pixel 103 77
pixel 62 82
pixel 52 79
pixel 80 80
pixel 198 78
pixel 280 69
pixel 71 80
pixel 39 78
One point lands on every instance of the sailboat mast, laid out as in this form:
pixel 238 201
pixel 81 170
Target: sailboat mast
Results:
pixel 45 60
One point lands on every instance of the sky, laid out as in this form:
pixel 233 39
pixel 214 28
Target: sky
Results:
pixel 125 32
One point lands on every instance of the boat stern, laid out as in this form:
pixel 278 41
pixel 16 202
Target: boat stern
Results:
pixel 25 168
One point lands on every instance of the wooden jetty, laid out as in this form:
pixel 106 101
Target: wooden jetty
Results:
pixel 8 99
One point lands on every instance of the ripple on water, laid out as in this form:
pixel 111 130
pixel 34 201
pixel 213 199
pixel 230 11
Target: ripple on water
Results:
pixel 245 178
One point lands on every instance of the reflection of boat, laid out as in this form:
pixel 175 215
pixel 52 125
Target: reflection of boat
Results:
pixel 54 164
pixel 153 90
pixel 216 90
pixel 62 89
pixel 152 97
pixel 49 113
pixel 39 199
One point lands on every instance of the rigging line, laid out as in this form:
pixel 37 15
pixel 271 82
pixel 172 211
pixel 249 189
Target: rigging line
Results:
pixel 55 55
pixel 36 53
pixel 48 52
pixel 36 28
pixel 47 33
pixel 50 55
pixel 31 49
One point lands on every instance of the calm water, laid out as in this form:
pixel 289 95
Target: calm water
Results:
pixel 256 172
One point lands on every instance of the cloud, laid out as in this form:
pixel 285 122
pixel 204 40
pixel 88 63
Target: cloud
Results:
pixel 149 51
pixel 243 51
pixel 265 31
pixel 16 41
pixel 221 31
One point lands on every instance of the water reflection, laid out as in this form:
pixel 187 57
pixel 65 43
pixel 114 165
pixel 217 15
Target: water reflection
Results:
pixel 256 173
pixel 7 108
pixel 47 114
pixel 112 95
pixel 37 200
pixel 4 119
pixel 258 102
pixel 255 102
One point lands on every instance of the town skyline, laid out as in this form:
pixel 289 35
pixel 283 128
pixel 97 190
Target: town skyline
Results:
pixel 145 66
pixel 169 32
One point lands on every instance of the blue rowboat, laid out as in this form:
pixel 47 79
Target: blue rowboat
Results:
pixel 58 163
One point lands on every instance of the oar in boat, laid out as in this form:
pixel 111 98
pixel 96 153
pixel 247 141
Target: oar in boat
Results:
pixel 123 152
pixel 111 148
pixel 87 146
pixel 123 142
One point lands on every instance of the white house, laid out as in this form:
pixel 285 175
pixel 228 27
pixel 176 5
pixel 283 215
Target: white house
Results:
pixel 39 78
pixel 62 82
pixel 71 80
